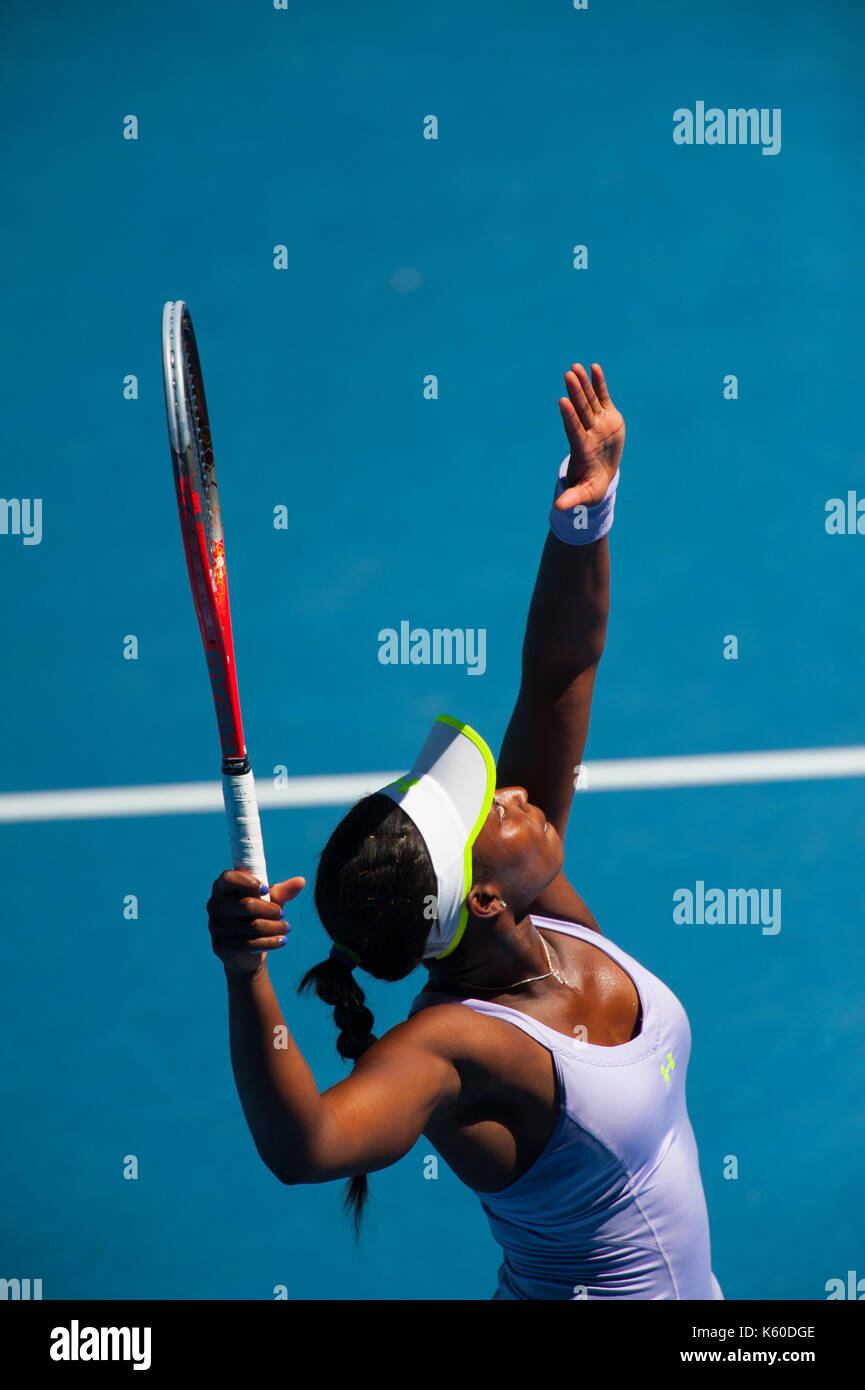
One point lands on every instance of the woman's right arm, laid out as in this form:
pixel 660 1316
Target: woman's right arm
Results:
pixel 365 1122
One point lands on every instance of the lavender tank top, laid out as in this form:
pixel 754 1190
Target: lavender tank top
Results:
pixel 614 1205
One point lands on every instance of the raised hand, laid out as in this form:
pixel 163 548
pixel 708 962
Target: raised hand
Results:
pixel 596 435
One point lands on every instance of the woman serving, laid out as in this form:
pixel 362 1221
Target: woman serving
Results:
pixel 544 1064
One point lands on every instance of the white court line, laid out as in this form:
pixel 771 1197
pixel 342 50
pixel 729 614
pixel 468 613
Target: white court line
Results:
pixel 620 774
pixel 181 798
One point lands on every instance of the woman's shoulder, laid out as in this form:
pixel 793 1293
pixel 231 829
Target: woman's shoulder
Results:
pixel 429 998
pixel 443 1024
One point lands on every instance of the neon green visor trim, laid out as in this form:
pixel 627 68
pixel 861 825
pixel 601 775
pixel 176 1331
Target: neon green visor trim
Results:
pixel 484 811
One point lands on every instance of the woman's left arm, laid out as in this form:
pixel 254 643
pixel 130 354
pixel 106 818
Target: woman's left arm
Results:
pixel 567 621
pixel 564 641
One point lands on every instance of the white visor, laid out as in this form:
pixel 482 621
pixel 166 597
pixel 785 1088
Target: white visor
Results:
pixel 448 794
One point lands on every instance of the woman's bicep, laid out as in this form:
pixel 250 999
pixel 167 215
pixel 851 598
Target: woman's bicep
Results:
pixel 377 1114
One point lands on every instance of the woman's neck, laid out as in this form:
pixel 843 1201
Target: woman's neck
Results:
pixel 508 956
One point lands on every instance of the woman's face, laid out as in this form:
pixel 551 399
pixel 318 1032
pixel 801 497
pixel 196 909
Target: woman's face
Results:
pixel 519 845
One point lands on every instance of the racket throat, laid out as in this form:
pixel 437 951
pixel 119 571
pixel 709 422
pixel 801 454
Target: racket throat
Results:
pixel 236 767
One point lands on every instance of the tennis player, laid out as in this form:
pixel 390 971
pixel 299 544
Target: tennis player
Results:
pixel 544 1063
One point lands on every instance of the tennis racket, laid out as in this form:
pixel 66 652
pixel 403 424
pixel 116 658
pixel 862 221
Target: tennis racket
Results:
pixel 201 528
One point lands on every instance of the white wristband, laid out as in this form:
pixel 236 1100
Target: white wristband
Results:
pixel 582 525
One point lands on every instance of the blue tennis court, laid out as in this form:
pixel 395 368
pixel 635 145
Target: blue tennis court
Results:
pixel 336 261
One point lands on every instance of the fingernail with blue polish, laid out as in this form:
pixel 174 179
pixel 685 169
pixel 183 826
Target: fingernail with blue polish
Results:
pixel 264 890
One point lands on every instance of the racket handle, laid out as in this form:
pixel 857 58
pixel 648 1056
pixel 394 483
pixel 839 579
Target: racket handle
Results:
pixel 244 828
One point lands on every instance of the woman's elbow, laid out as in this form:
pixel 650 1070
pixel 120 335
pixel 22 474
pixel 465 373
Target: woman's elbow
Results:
pixel 289 1172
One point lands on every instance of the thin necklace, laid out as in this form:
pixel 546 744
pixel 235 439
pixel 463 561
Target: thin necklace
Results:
pixel 532 979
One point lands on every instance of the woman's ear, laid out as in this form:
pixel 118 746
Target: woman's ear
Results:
pixel 484 900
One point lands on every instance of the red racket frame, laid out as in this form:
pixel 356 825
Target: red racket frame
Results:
pixel 208 576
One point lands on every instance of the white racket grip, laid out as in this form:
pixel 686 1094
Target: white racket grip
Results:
pixel 244 828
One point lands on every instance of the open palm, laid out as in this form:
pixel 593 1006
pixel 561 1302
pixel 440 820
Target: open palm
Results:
pixel 596 435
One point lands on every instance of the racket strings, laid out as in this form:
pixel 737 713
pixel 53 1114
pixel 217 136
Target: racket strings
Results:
pixel 204 470
pixel 203 479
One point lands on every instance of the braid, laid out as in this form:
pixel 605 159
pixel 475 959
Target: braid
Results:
pixel 335 984
pixel 373 890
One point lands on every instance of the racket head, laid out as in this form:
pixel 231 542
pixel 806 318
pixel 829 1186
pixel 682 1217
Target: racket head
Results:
pixel 200 518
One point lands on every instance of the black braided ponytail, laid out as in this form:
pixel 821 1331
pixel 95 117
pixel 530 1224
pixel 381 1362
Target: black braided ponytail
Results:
pixel 375 893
